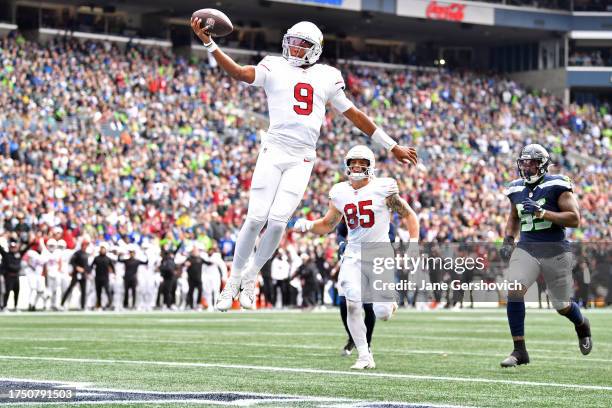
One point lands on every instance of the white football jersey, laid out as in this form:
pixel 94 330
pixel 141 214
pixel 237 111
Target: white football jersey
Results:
pixel 296 100
pixel 53 262
pixel 365 211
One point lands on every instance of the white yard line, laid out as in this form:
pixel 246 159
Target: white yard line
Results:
pixel 404 352
pixel 234 333
pixel 311 371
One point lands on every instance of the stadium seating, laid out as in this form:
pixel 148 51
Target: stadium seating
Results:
pixel 145 145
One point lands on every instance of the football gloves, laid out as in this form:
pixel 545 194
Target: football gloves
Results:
pixel 531 207
pixel 303 225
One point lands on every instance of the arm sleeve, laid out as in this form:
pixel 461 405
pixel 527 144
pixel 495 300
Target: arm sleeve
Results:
pixel 340 102
pixel 261 72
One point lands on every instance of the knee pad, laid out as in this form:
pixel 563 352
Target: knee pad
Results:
pixel 253 223
pixel 383 311
pixel 353 307
pixel 276 226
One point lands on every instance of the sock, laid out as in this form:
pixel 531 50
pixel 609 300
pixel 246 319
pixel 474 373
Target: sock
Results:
pixel 369 320
pixel 574 314
pixel 267 246
pixel 516 316
pixel 244 245
pixel 519 345
pixel 343 314
pixel 357 326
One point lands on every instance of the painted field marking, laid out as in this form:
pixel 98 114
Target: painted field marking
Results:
pixel 85 390
pixel 312 371
pixel 137 340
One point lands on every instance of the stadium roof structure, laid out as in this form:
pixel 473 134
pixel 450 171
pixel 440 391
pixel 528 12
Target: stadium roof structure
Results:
pixel 334 22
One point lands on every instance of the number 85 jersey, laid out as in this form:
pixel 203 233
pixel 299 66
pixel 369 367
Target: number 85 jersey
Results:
pixel 365 211
pixel 296 100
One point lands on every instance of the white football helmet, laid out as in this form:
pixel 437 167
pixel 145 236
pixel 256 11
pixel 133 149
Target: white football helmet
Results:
pixel 300 36
pixel 51 244
pixel 360 152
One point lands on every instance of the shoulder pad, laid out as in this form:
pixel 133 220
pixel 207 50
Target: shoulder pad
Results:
pixel 337 189
pixel 388 186
pixel 557 180
pixel 514 187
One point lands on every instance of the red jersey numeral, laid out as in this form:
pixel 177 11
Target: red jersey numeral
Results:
pixel 303 93
pixel 359 215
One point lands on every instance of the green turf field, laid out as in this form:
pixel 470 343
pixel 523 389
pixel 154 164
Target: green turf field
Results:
pixel 423 358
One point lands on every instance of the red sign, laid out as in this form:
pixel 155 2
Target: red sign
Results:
pixel 452 12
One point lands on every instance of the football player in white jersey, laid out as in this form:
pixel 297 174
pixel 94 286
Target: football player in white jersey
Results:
pixel 36 281
pixel 53 271
pixel 366 203
pixel 297 90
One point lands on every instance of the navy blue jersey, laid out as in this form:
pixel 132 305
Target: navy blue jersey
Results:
pixel 546 193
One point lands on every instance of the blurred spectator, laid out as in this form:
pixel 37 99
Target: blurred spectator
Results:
pixel 140 146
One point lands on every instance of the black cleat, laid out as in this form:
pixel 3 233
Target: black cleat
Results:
pixel 584 337
pixel 516 358
pixel 348 348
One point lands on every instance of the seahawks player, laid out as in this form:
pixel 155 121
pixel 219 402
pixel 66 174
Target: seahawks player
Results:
pixel 542 207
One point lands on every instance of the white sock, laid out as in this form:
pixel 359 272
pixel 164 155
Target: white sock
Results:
pixel 267 246
pixel 357 326
pixel 244 245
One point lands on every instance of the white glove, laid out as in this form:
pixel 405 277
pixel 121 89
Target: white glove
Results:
pixel 303 225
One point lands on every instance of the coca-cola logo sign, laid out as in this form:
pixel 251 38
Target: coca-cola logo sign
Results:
pixel 450 12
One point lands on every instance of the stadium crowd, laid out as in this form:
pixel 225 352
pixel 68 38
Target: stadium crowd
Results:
pixel 143 151
pixel 591 58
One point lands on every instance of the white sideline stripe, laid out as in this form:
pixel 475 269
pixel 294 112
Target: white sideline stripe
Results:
pixel 556 355
pixel 92 390
pixel 311 371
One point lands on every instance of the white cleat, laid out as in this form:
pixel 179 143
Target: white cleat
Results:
pixel 228 294
pixel 247 294
pixel 363 363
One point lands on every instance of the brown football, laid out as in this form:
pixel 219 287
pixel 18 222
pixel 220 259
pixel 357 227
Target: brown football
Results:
pixel 219 24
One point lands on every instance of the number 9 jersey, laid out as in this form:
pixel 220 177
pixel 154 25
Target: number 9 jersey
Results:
pixel 365 211
pixel 296 101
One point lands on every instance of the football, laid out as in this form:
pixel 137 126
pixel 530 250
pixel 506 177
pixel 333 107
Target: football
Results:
pixel 219 24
